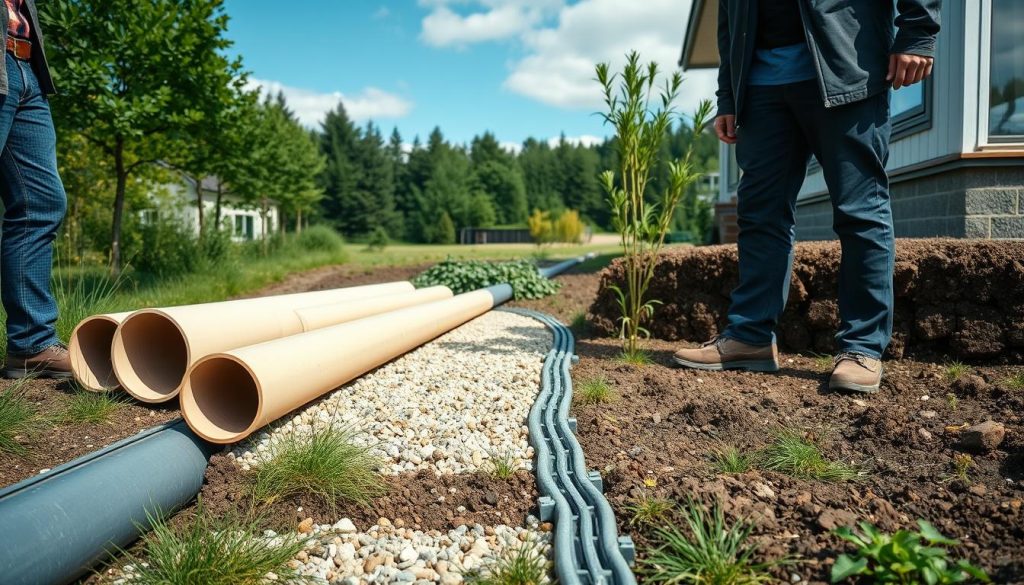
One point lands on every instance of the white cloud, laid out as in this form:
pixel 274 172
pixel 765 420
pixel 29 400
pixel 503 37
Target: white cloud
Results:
pixel 311 106
pixel 499 19
pixel 583 139
pixel 382 13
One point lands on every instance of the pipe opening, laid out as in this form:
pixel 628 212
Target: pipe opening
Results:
pixel 90 355
pixel 223 399
pixel 150 357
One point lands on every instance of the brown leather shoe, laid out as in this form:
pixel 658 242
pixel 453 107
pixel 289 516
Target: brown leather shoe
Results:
pixel 722 353
pixel 856 372
pixel 52 362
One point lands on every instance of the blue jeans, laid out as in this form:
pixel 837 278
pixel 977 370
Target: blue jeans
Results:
pixel 34 205
pixel 782 126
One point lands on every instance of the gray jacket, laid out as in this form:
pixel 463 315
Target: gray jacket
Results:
pixel 850 43
pixel 39 66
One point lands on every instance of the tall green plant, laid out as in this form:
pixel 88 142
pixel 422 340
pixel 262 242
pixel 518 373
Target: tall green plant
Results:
pixel 641 114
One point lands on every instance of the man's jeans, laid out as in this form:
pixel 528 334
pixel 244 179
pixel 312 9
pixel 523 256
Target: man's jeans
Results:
pixel 782 126
pixel 34 205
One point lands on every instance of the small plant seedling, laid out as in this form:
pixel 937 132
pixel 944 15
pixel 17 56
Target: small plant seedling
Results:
pixel 823 361
pixel 962 464
pixel 595 391
pixel 91 407
pixel 650 511
pixel 954 370
pixel 707 551
pixel 901 557
pixel 524 566
pixel 730 460
pixel 951 399
pixel 794 455
pixel 17 417
pixel 1016 381
pixel 504 466
pixel 636 356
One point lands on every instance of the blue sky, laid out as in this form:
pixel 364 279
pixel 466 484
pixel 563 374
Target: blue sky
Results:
pixel 518 68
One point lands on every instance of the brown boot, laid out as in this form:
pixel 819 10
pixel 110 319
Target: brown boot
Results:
pixel 722 353
pixel 52 362
pixel 856 372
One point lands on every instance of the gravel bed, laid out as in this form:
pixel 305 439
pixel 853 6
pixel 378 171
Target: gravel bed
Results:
pixel 449 406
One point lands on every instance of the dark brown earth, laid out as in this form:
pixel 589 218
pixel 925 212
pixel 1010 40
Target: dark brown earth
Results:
pixel 961 299
pixel 414 498
pixel 666 423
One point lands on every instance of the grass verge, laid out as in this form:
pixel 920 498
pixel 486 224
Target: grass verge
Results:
pixel 17 417
pixel 707 552
pixel 794 455
pixel 214 552
pixel 595 391
pixel 325 463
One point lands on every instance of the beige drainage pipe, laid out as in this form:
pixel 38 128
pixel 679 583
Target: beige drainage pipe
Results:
pixel 89 348
pixel 153 348
pixel 227 396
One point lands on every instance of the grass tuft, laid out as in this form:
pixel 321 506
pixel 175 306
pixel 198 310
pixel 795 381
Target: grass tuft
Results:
pixel 91 407
pixel 707 552
pixel 636 357
pixel 1016 381
pixel 823 361
pixel 525 566
pixel 954 370
pixel 504 466
pixel 214 552
pixel 325 463
pixel 579 322
pixel 962 464
pixel 794 455
pixel 595 391
pixel 17 417
pixel 647 510
pixel 731 460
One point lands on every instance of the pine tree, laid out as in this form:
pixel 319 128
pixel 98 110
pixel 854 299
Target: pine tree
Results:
pixel 342 204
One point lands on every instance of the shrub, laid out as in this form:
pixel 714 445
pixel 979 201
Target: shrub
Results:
pixel 542 230
pixel 445 229
pixel 378 239
pixel 467 275
pixel 902 557
pixel 167 249
pixel 569 227
pixel 320 238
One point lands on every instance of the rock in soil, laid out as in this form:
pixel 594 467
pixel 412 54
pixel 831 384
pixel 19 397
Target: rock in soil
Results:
pixel 985 436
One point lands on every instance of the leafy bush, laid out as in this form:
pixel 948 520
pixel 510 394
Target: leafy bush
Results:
pixel 320 238
pixel 569 227
pixel 467 275
pixel 378 239
pixel 902 557
pixel 542 230
pixel 167 249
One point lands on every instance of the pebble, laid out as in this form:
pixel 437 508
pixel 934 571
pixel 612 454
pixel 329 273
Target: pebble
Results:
pixel 985 436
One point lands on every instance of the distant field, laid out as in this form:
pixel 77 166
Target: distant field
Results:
pixel 407 254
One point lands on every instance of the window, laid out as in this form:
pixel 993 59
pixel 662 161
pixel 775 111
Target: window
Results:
pixel 149 216
pixel 244 227
pixel 1006 72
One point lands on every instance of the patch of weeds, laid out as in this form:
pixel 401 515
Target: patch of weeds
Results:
pixel 636 357
pixel 962 464
pixel 954 370
pixel 326 463
pixel 504 466
pixel 647 510
pixel 731 460
pixel 17 417
pixel 901 557
pixel 1016 381
pixel 214 552
pixel 952 401
pixel 823 361
pixel 707 552
pixel 595 391
pixel 579 322
pixel 525 566
pixel 794 455
pixel 91 407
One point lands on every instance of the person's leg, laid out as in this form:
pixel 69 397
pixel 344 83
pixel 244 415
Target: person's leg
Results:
pixel 773 154
pixel 34 202
pixel 852 144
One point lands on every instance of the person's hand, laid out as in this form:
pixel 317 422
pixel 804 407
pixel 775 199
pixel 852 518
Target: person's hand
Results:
pixel 906 69
pixel 725 127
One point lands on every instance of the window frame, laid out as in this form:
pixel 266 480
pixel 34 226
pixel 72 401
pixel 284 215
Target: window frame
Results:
pixel 984 89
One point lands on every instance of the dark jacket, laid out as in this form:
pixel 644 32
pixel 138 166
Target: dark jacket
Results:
pixel 850 43
pixel 39 66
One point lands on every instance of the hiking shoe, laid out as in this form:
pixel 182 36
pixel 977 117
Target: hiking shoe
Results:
pixel 856 372
pixel 722 353
pixel 52 362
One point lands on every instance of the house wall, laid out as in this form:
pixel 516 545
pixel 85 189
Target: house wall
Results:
pixel 183 199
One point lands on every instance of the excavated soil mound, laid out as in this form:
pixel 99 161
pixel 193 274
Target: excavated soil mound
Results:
pixel 955 299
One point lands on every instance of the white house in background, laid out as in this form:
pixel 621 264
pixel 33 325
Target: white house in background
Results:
pixel 956 159
pixel 244 222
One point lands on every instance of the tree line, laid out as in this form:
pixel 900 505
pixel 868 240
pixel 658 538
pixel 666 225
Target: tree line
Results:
pixel 147 90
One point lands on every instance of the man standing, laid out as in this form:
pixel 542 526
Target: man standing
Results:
pixel 802 77
pixel 33 197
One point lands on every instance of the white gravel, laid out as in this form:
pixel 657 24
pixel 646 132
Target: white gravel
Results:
pixel 449 406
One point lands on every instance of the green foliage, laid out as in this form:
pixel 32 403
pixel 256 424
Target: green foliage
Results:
pixel 649 511
pixel 904 557
pixel 208 551
pixel 325 463
pixel 320 238
pixel 79 294
pixel 962 464
pixel 823 362
pixel 954 370
pixel 524 565
pixel 503 465
pixel 579 322
pixel 708 552
pixel 636 356
pixel 640 131
pixel 378 240
pixel 17 417
pixel 731 460
pixel 468 275
pixel 1016 381
pixel 542 230
pixel 445 229
pixel 91 407
pixel 792 454
pixel 569 227
pixel 595 391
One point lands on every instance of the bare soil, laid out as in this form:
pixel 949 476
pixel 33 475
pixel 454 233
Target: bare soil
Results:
pixel 657 438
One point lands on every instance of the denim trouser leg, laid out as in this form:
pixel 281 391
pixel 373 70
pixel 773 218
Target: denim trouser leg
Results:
pixel 852 144
pixel 34 204
pixel 773 154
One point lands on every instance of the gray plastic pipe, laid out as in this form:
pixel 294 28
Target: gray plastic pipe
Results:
pixel 55 526
pixel 556 269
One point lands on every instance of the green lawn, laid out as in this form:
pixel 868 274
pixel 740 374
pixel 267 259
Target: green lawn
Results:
pixel 411 254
